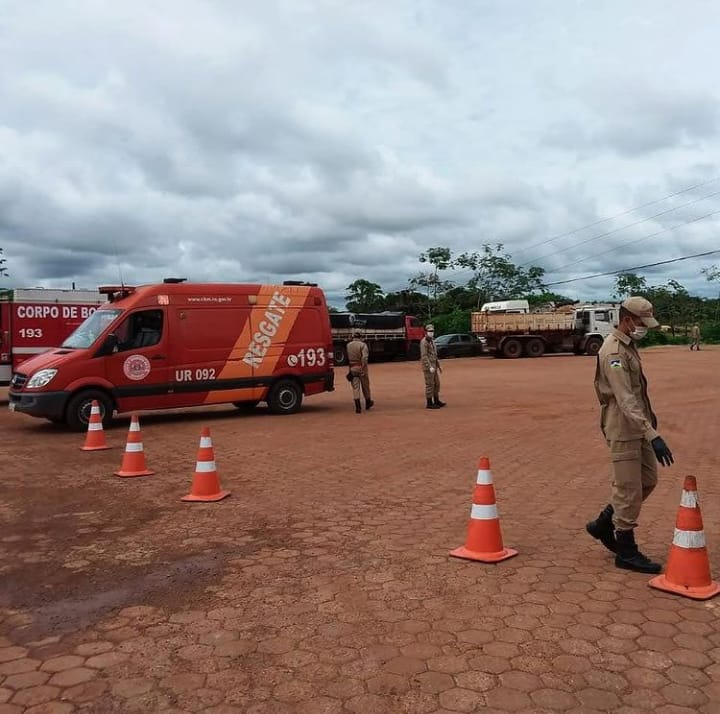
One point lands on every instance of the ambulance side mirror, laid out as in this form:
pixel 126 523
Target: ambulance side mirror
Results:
pixel 108 346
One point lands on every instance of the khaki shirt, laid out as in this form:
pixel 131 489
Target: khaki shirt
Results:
pixel 695 331
pixel 358 355
pixel 428 354
pixel 621 389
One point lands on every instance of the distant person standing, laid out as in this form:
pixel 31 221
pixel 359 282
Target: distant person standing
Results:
pixel 629 426
pixel 695 337
pixel 358 357
pixel 431 369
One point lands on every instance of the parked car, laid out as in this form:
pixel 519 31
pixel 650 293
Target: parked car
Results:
pixel 458 344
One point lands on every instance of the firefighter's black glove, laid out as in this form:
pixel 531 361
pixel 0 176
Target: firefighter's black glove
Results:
pixel 662 453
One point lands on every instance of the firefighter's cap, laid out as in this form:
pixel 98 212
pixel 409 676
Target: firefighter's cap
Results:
pixel 642 308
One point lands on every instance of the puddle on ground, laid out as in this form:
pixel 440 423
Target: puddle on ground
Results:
pixel 77 612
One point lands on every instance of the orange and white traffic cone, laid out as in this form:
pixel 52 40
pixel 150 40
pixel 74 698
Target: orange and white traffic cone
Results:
pixel 206 484
pixel 688 566
pixel 133 462
pixel 484 540
pixel 95 438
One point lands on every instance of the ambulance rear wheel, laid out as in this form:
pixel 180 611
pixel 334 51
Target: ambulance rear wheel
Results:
pixel 285 397
pixel 77 413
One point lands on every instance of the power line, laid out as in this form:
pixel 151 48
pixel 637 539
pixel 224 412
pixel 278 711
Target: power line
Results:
pixel 622 228
pixel 618 215
pixel 627 243
pixel 637 267
pixel 637 240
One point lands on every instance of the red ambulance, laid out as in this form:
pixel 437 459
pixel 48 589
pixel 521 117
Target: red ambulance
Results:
pixel 179 344
pixel 34 320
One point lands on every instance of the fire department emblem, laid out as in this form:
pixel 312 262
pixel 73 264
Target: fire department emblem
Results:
pixel 136 367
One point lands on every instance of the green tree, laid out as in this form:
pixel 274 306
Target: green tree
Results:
pixel 496 277
pixel 364 296
pixel 410 302
pixel 439 259
pixel 456 298
pixel 672 304
pixel 627 284
pixel 712 273
pixel 3 269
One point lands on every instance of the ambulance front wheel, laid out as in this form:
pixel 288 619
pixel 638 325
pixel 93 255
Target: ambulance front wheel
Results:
pixel 285 397
pixel 77 414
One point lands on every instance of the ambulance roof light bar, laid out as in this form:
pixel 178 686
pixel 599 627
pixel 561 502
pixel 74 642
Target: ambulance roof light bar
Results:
pixel 116 292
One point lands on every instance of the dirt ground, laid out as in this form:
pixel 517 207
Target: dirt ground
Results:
pixel 323 584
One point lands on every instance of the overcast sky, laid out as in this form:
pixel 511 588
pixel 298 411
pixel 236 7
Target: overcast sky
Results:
pixel 310 139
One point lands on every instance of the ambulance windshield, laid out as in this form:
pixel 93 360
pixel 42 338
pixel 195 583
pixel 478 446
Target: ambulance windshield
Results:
pixel 90 330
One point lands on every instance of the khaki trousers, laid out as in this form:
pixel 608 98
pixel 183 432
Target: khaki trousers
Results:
pixel 360 382
pixel 432 384
pixel 634 479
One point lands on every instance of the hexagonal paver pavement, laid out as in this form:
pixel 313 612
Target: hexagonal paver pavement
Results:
pixel 323 585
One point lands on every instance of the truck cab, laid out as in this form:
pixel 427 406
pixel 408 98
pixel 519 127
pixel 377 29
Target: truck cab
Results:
pixel 594 323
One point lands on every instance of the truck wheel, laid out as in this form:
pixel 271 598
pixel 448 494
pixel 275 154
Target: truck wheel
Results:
pixel 285 397
pixel 413 352
pixel 592 346
pixel 340 355
pixel 535 348
pixel 77 413
pixel 512 348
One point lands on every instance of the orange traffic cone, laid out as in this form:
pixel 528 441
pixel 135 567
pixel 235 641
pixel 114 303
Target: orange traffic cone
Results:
pixel 133 462
pixel 688 567
pixel 206 484
pixel 95 438
pixel 484 540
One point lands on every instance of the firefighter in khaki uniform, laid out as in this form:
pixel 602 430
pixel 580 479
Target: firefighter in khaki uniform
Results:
pixel 695 338
pixel 629 426
pixel 431 369
pixel 358 355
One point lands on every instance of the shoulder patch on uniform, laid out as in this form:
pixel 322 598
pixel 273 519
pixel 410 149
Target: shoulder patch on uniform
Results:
pixel 615 363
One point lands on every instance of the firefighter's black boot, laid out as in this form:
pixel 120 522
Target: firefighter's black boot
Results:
pixel 438 403
pixel 431 405
pixel 602 528
pixel 369 404
pixel 358 408
pixel 629 557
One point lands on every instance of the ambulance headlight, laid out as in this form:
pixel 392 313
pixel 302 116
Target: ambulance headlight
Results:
pixel 41 378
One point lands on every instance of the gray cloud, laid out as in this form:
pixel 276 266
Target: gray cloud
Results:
pixel 633 121
pixel 316 140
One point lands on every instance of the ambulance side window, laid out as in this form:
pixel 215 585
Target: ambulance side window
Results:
pixel 139 330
